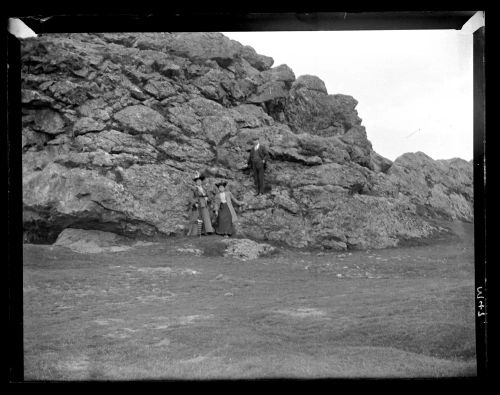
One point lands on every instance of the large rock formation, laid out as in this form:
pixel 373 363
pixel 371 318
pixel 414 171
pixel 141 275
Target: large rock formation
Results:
pixel 116 125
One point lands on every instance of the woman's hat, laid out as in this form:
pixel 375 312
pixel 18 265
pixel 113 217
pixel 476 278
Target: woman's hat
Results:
pixel 223 183
pixel 199 177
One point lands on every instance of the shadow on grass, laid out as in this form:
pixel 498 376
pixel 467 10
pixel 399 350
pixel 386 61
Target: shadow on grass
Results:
pixel 214 249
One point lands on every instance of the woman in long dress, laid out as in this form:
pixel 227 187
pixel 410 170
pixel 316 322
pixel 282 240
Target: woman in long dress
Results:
pixel 200 213
pixel 224 210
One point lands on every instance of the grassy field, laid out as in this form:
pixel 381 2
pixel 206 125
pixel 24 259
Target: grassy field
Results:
pixel 161 311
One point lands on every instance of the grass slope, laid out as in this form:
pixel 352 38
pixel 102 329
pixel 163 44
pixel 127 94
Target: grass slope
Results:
pixel 157 312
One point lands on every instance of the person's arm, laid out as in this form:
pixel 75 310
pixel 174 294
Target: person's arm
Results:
pixel 210 197
pixel 203 197
pixel 265 154
pixel 194 198
pixel 238 202
pixel 216 204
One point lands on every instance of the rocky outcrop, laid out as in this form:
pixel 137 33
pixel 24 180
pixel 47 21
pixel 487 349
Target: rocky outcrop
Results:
pixel 438 188
pixel 116 125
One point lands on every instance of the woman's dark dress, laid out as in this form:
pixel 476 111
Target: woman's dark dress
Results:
pixel 224 221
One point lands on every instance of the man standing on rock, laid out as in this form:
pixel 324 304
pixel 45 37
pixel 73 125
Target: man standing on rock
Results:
pixel 257 161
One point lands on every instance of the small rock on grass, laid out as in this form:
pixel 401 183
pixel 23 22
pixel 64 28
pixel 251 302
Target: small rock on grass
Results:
pixel 246 249
pixel 194 251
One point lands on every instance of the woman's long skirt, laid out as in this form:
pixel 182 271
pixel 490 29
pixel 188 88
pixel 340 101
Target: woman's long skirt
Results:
pixel 207 222
pixel 193 223
pixel 224 221
pixel 203 215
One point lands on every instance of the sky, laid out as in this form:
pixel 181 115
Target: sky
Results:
pixel 413 87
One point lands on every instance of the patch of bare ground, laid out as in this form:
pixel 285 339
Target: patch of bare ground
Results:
pixel 178 309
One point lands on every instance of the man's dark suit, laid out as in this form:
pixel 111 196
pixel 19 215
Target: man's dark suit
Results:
pixel 257 161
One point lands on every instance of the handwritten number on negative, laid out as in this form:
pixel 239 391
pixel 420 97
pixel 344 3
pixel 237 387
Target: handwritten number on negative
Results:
pixel 481 305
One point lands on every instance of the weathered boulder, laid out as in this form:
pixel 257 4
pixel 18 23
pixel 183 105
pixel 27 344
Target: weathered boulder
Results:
pixel 35 98
pixel 48 121
pixel 135 148
pixel 193 150
pixel 86 125
pixel 68 92
pixel 92 241
pixel 217 128
pixel 358 146
pixel 259 62
pixel 139 200
pixel 310 82
pixel 246 249
pixel 95 108
pixel 31 138
pixel 213 84
pixel 251 116
pixel 437 187
pixel 160 89
pixel 310 109
pixel 217 47
pixel 140 119
pixel 379 163
pixel 275 85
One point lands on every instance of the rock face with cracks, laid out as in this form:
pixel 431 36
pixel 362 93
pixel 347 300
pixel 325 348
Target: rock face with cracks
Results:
pixel 116 125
